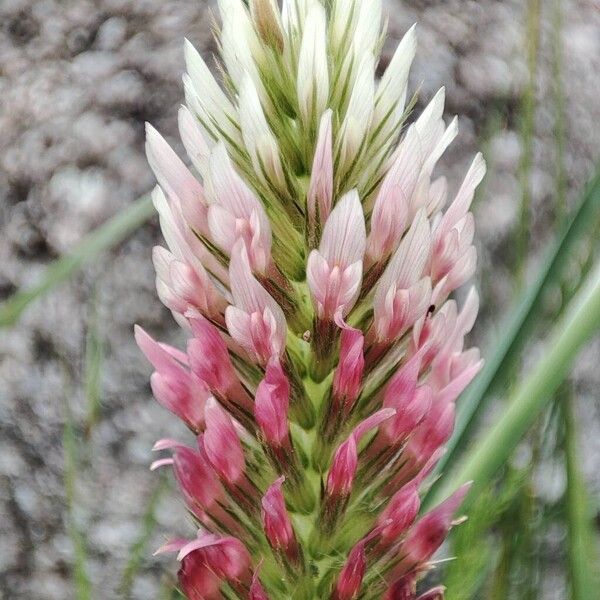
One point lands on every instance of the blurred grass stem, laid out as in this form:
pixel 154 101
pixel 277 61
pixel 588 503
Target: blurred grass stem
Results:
pixel 81 581
pixel 582 553
pixel 114 231
pixel 528 110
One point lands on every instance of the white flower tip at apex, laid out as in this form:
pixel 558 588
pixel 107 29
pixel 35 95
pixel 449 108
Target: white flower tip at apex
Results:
pixel 159 200
pixel 479 167
pixel 188 48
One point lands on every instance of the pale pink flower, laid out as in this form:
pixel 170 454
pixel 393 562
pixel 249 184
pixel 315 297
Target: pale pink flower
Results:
pixel 454 257
pixel 186 286
pixel 176 180
pixel 235 212
pixel 254 320
pixel 334 271
pixel 403 293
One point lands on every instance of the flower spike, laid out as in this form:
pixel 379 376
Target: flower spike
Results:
pixel 310 258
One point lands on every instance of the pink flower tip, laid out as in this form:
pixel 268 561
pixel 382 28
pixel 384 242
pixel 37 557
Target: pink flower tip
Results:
pixel 271 404
pixel 222 444
pixel 430 531
pixel 276 521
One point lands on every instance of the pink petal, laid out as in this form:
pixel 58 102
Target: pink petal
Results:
pixel 222 444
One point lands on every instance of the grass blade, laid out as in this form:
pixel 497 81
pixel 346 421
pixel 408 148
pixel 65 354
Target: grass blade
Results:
pixel 520 321
pixel 94 350
pixel 527 115
pixel 81 581
pixel 580 321
pixel 582 554
pixel 107 235
pixel 138 551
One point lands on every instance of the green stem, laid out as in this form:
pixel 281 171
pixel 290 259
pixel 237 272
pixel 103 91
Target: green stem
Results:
pixel 106 236
pixel 581 548
pixel 559 113
pixel 577 325
pixel 527 137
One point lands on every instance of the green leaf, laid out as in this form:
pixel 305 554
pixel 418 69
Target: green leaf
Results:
pixel 580 321
pixel 106 236
pixel 520 322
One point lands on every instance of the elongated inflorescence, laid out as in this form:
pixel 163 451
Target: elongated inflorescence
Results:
pixel 310 260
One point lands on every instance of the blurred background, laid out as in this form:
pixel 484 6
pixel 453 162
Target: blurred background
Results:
pixel 80 513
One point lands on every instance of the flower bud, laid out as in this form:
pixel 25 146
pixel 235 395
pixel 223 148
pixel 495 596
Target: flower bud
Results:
pixel 271 404
pixel 313 79
pixel 196 478
pixel 256 589
pixel 196 579
pixel 276 522
pixel 255 320
pixel 348 374
pixel 351 576
pixel 319 198
pixel 436 593
pixel 222 444
pixel 345 460
pixel 209 358
pixel 402 589
pixel 411 403
pixel 399 514
pixel 172 384
pixel 343 469
pixel 226 556
pixel 430 531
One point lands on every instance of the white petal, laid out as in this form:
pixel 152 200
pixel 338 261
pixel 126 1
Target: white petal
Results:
pixel 391 91
pixel 344 235
pixel 357 119
pixel 172 175
pixel 193 140
pixel 408 263
pixel 213 98
pixel 313 77
pixel 258 138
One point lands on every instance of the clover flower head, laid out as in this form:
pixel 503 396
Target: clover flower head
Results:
pixel 311 257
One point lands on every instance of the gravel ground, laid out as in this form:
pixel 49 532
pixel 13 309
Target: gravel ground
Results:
pixel 77 82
